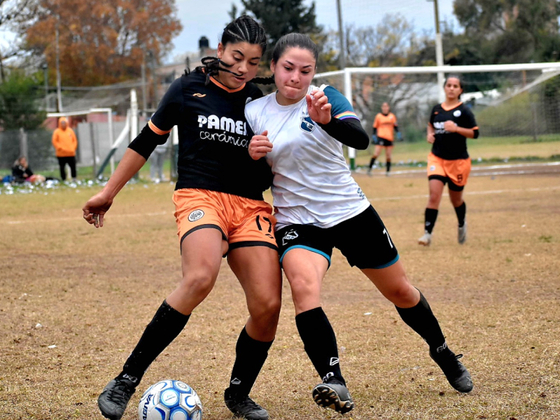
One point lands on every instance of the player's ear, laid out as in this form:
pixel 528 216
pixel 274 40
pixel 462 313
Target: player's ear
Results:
pixel 221 49
pixel 272 66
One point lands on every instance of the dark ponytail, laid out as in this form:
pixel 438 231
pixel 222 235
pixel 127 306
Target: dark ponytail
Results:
pixel 264 80
pixel 242 29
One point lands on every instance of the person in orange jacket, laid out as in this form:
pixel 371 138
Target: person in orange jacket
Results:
pixel 65 144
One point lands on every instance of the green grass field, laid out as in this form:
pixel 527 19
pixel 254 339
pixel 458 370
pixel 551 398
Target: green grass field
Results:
pixel 493 149
pixel 74 301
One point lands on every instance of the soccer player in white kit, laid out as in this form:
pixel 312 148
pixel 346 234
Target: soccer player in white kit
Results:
pixel 301 129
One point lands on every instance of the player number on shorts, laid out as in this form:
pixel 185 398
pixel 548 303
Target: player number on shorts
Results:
pixel 267 220
pixel 388 237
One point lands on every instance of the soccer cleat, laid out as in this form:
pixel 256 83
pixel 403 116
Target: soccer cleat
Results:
pixel 426 239
pixel 457 374
pixel 333 394
pixel 244 407
pixel 462 233
pixel 114 398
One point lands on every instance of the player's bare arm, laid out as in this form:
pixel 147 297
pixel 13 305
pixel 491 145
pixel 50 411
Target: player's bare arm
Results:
pixel 452 127
pixel 260 145
pixel 96 207
pixel 430 138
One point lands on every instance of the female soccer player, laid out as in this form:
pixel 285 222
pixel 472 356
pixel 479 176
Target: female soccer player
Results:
pixel 451 123
pixel 300 130
pixel 219 210
pixel 384 127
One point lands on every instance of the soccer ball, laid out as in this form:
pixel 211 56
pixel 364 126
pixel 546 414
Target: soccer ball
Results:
pixel 170 400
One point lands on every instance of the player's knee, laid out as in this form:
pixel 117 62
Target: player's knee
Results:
pixel 266 314
pixel 197 285
pixel 303 287
pixel 403 295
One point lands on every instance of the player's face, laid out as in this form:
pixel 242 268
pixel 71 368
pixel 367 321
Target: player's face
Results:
pixel 385 108
pixel 244 59
pixel 453 88
pixel 293 74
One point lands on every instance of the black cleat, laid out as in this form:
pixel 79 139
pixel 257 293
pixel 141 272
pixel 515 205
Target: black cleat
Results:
pixel 333 394
pixel 244 407
pixel 457 374
pixel 115 397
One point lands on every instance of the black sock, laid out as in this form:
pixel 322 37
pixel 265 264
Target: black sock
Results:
pixel 319 342
pixel 388 165
pixel 430 217
pixel 250 357
pixel 461 211
pixel 166 324
pixel 422 320
pixel 372 162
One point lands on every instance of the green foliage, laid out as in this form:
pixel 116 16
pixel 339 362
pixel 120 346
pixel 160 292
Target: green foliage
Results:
pixel 510 31
pixel 514 112
pixel 19 102
pixel 280 17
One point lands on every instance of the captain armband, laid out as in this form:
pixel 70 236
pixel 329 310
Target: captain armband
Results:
pixel 145 143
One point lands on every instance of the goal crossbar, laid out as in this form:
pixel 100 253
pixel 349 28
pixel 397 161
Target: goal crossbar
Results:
pixel 492 68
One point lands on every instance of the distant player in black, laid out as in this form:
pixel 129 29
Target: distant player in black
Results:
pixel 219 210
pixel 451 123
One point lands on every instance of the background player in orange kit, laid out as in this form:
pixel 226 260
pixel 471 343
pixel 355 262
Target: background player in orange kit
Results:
pixel 384 128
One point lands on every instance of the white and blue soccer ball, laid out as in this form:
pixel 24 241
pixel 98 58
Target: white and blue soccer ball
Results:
pixel 170 400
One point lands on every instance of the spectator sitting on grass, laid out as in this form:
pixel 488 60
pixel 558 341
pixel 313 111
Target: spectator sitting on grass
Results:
pixel 21 172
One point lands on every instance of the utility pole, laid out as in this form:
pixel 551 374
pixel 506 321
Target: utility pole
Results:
pixel 439 54
pixel 58 88
pixel 342 56
pixel 46 76
pixel 144 93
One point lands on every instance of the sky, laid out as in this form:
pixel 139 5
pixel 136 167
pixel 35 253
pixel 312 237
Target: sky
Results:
pixel 210 17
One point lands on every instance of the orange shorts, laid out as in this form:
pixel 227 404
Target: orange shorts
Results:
pixel 242 221
pixel 457 171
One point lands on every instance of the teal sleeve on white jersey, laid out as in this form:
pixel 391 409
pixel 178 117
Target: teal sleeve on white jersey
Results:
pixel 341 107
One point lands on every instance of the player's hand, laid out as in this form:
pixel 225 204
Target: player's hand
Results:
pixel 319 107
pixel 431 138
pixel 260 145
pixel 95 208
pixel 450 126
pixel 399 136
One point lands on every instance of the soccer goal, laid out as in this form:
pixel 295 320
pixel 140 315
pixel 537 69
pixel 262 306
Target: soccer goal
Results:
pixel 507 99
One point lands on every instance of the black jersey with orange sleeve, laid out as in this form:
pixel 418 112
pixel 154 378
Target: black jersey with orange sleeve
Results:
pixel 213 136
pixel 451 146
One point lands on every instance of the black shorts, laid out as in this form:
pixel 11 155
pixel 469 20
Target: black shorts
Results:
pixel 384 142
pixel 363 240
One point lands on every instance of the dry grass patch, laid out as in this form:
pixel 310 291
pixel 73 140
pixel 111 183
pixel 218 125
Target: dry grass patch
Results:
pixel 93 292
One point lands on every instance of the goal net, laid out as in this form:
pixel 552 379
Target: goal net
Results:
pixel 508 101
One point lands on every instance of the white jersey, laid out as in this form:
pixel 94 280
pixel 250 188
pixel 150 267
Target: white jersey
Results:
pixel 312 182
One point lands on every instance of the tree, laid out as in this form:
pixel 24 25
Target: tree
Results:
pixel 19 102
pixel 101 42
pixel 512 30
pixel 391 43
pixel 280 17
pixel 13 13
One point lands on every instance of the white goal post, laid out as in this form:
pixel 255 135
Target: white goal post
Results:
pixel 351 72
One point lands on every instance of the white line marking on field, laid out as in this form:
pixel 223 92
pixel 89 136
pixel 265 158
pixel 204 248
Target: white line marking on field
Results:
pixel 402 197
pixel 66 219
pixel 492 170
